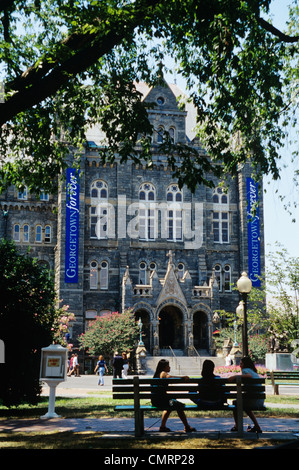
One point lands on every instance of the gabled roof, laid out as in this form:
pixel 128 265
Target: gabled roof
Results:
pixel 171 287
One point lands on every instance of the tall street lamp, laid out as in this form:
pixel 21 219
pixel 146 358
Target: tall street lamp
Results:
pixel 244 286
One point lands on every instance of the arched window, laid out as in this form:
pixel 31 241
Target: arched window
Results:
pixel 174 198
pixel 38 233
pixel 23 195
pixel 220 196
pixel 16 233
pixel 160 133
pixel 26 233
pixel 171 132
pixel 99 210
pixel 218 275
pixel 93 275
pixel 223 276
pixel 104 275
pixel 143 273
pixel 47 234
pixel 181 270
pixel 220 216
pixel 147 212
pixel 99 190
pixel 227 281
pixel 90 316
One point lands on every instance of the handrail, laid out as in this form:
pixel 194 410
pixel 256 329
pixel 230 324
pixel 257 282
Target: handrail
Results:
pixel 177 365
pixel 194 348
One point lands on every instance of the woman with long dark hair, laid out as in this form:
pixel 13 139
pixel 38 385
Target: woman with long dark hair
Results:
pixel 249 371
pixel 210 394
pixel 162 401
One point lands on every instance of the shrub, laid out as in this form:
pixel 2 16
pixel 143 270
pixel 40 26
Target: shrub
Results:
pixel 27 313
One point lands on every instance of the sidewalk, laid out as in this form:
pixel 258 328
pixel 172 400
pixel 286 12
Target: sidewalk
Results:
pixel 86 386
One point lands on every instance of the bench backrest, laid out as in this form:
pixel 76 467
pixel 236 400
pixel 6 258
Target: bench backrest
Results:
pixel 141 388
pixel 283 375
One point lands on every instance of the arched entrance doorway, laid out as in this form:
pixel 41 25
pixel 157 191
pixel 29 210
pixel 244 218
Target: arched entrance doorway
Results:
pixel 171 328
pixel 200 331
pixel 145 320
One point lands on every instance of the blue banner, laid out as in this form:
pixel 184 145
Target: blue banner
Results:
pixel 72 226
pixel 253 227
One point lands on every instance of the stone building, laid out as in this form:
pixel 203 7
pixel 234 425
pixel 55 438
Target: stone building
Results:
pixel 127 236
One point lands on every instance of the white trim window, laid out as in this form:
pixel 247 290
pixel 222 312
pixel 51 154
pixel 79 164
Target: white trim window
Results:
pixel 44 196
pixel 180 270
pixel 26 233
pixel 16 232
pixel 23 195
pixel 160 135
pixel 93 275
pixel 220 217
pixel 38 234
pixel 218 275
pixel 147 212
pixel 47 234
pixel 99 211
pixel 145 272
pixel 174 218
pixel 227 278
pixel 104 278
pixel 224 277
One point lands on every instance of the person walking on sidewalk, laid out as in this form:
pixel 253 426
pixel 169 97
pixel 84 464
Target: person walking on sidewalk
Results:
pixel 125 366
pixel 101 367
pixel 117 364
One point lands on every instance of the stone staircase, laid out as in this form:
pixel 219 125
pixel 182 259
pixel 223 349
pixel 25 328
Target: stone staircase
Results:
pixel 182 365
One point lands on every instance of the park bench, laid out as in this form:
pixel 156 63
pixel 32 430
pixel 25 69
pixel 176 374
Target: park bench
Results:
pixel 138 389
pixel 280 377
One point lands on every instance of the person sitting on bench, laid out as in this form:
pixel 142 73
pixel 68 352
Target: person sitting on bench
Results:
pixel 249 371
pixel 210 394
pixel 162 401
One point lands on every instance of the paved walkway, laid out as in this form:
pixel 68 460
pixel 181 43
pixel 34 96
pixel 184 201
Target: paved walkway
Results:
pixel 125 426
pixel 122 427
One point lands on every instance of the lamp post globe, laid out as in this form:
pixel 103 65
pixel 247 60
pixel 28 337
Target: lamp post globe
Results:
pixel 244 286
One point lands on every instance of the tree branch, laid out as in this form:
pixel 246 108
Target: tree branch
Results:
pixel 45 78
pixel 276 32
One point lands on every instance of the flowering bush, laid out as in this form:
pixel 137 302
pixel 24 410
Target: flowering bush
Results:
pixel 61 326
pixel 111 332
pixel 226 371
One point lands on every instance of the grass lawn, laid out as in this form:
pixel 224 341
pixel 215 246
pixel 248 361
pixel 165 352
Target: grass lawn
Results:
pixel 102 407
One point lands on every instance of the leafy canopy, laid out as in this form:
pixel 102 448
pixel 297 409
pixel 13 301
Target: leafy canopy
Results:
pixel 67 64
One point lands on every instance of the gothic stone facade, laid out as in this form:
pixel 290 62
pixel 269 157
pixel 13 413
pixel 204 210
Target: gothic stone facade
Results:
pixel 172 255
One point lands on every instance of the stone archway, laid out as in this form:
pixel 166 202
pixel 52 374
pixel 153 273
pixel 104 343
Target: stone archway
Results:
pixel 171 332
pixel 200 330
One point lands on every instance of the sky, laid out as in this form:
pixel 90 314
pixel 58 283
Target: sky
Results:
pixel 278 222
